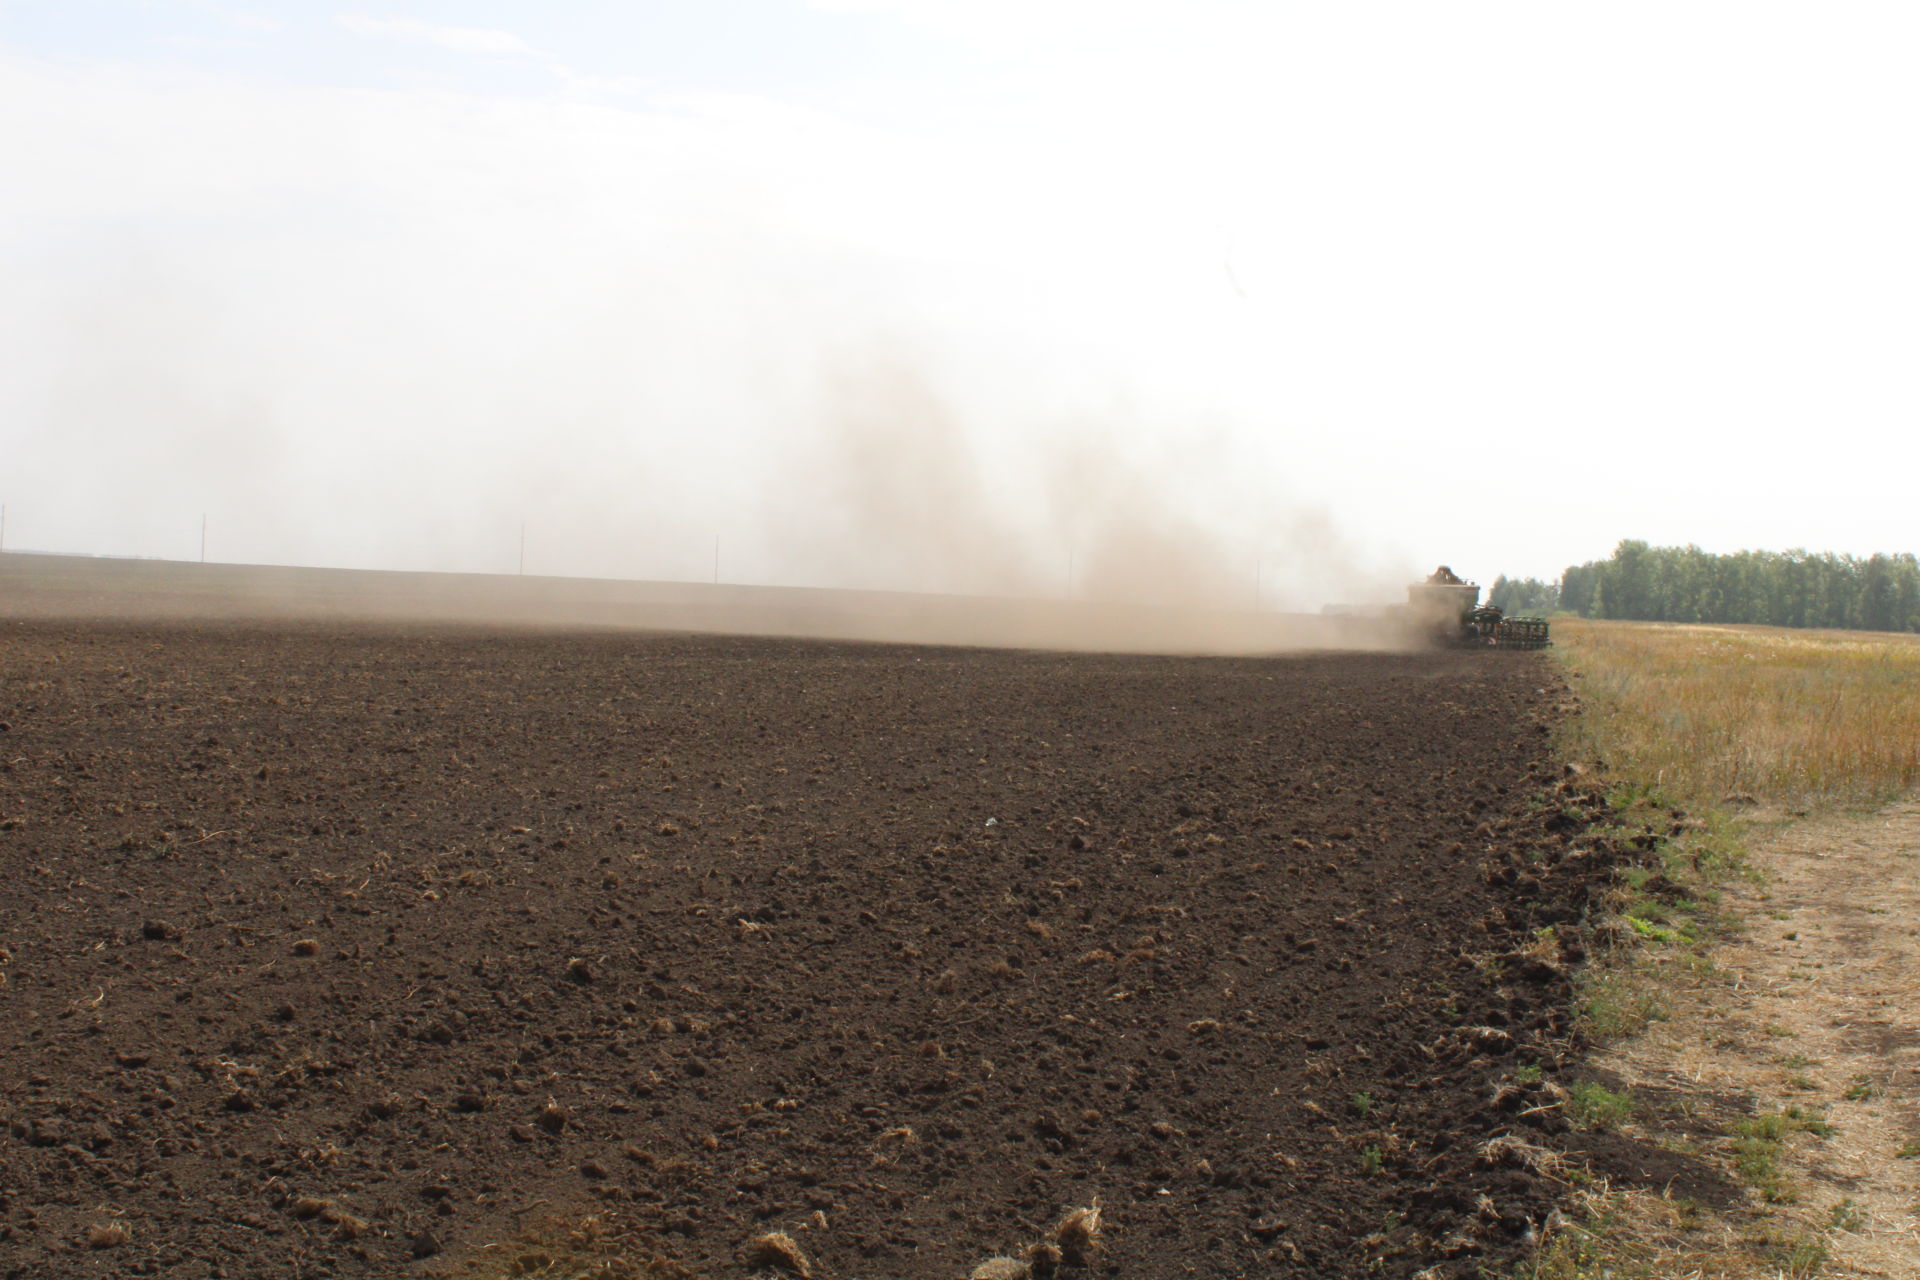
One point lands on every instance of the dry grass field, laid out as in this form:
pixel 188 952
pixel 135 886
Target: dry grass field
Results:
pixel 1759 1012
pixel 1790 718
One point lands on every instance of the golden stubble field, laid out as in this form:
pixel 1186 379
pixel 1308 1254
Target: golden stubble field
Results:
pixel 1757 714
pixel 1763 1009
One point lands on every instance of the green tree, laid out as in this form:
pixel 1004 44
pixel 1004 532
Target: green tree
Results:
pixel 1795 588
pixel 1627 588
pixel 1524 595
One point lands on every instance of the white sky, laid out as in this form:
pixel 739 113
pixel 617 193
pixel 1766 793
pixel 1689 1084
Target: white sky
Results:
pixel 905 292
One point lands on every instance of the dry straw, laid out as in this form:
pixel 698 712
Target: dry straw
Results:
pixel 1705 713
pixel 1078 1235
pixel 777 1250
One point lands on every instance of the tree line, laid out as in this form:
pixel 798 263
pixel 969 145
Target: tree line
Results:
pixel 1685 584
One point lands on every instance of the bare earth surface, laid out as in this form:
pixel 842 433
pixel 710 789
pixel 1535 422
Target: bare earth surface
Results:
pixel 51 586
pixel 338 950
pixel 1819 1008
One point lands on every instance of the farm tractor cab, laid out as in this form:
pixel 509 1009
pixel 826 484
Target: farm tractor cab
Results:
pixel 1449 606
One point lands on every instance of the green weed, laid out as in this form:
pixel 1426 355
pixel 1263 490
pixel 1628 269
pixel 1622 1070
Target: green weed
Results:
pixel 1594 1106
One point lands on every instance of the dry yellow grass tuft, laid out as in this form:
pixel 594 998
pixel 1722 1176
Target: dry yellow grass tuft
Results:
pixel 1078 1235
pixel 1074 1240
pixel 109 1236
pixel 777 1249
pixel 1044 1258
pixel 1702 713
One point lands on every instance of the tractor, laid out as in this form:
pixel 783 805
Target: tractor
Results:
pixel 1448 607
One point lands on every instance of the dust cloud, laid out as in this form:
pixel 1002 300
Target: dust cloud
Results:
pixel 892 510
pixel 1110 533
pixel 651 407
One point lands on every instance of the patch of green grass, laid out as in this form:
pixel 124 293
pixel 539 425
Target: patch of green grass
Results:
pixel 1909 1150
pixel 1847 1216
pixel 1651 910
pixel 1758 1143
pixel 1594 1106
pixel 1529 1073
pixel 1779 1124
pixel 1757 1161
pixel 1653 932
pixel 1371 1159
pixel 1862 1089
pixel 1361 1102
pixel 1810 1123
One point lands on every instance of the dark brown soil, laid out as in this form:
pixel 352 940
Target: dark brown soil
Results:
pixel 338 951
pixel 1628 1161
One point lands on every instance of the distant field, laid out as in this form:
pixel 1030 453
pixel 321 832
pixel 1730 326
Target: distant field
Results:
pixel 1783 716
pixel 49 586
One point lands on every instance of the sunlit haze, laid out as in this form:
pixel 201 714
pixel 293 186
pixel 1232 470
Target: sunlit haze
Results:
pixel 1218 301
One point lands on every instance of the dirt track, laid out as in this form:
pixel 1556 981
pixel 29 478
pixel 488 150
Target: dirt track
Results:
pixel 336 951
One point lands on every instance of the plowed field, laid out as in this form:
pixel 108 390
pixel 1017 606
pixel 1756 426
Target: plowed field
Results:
pixel 368 951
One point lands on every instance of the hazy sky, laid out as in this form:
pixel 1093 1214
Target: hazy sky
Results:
pixel 964 295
